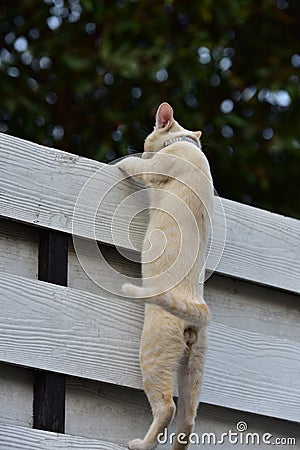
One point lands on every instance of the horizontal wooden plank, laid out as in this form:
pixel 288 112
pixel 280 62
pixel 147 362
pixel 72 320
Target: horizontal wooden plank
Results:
pixel 41 186
pixel 14 437
pixel 253 309
pixel 234 303
pixel 100 410
pixel 112 413
pixel 19 245
pixel 60 329
pixel 69 331
pixel 16 395
pixel 261 246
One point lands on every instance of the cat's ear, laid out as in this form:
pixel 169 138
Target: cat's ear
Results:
pixel 198 134
pixel 164 116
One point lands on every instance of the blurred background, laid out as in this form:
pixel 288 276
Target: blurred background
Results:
pixel 86 76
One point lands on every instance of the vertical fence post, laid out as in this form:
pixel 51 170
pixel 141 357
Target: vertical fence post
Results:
pixel 49 387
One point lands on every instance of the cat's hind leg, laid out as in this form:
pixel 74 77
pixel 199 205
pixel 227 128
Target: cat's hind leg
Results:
pixel 161 350
pixel 190 377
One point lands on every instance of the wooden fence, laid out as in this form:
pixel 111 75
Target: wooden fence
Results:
pixel 69 343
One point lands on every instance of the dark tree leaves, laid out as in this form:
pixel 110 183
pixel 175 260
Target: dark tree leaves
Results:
pixel 87 76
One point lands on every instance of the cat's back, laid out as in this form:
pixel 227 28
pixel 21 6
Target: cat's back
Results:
pixel 189 180
pixel 179 222
pixel 189 162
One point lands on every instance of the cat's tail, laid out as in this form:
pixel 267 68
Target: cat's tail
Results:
pixel 191 311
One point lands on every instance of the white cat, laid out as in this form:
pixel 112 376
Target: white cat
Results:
pixel 173 261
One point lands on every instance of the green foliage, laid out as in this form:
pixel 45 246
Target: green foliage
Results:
pixel 86 76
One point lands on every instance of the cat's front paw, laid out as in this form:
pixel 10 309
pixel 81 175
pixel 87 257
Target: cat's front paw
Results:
pixel 130 290
pixel 136 444
pixel 126 163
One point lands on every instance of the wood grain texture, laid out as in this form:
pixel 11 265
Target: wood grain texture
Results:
pixel 18 249
pixel 260 246
pixel 234 303
pixel 254 309
pixel 41 186
pixel 106 412
pixel 16 395
pixel 100 410
pixel 13 438
pixel 66 330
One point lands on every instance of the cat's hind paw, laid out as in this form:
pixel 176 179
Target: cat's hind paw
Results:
pixel 136 444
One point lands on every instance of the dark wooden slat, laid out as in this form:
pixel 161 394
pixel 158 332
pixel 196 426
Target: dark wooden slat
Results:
pixel 49 387
pixel 49 401
pixel 53 257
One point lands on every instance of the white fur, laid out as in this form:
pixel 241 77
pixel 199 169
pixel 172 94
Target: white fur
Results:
pixel 174 335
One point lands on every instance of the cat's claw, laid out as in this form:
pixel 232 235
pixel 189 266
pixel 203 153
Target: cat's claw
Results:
pixel 136 444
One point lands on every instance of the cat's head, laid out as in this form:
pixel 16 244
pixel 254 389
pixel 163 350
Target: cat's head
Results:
pixel 166 129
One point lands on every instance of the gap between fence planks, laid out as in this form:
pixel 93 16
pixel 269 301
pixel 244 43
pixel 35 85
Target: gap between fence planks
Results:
pixel 40 186
pixel 69 331
pixel 14 438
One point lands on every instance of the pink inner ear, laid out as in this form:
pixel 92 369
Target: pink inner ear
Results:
pixel 164 115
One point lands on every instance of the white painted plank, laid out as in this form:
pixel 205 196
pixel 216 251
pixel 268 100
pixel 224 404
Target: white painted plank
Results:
pixel 16 395
pixel 41 186
pixel 254 309
pixel 18 249
pixel 13 438
pixel 103 411
pixel 261 246
pixel 104 275
pixel 56 328
pixel 111 413
pixel 65 330
pixel 252 361
pixel 233 303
